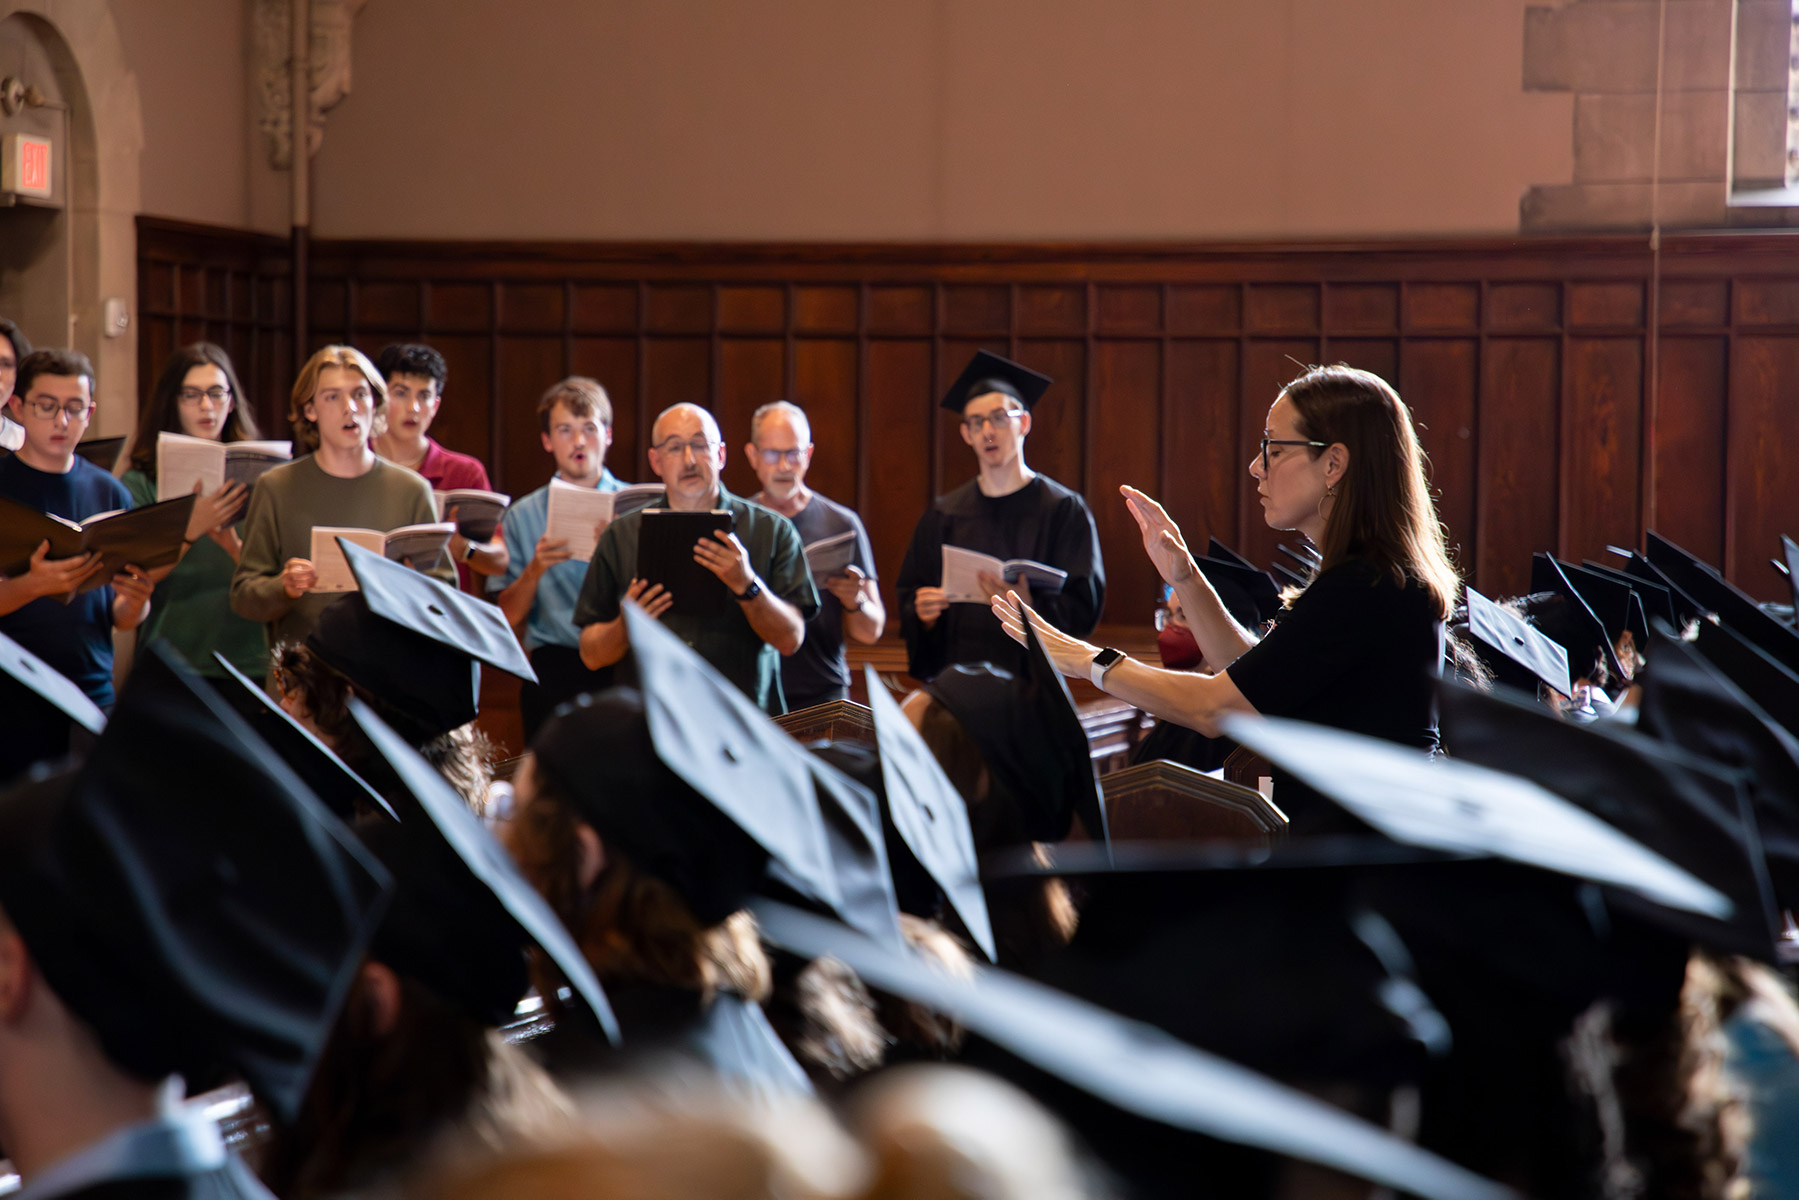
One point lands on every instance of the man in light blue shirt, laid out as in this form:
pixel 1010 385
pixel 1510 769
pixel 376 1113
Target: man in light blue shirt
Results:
pixel 538 589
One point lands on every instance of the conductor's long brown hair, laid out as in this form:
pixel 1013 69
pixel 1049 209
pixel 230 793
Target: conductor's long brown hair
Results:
pixel 1383 510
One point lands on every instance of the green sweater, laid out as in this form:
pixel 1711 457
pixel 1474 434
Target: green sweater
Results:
pixel 284 506
pixel 192 606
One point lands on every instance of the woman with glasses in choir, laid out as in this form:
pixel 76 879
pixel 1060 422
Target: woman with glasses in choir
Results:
pixel 198 396
pixel 340 482
pixel 1358 648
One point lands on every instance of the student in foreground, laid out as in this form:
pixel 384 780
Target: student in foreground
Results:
pixel 415 377
pixel 198 395
pixel 780 452
pixel 54 402
pixel 541 582
pixel 1007 511
pixel 759 561
pixel 341 482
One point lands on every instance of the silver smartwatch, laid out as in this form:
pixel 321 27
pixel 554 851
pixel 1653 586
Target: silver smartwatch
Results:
pixel 1102 662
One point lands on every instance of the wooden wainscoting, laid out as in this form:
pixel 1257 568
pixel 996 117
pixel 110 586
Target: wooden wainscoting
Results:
pixel 1527 362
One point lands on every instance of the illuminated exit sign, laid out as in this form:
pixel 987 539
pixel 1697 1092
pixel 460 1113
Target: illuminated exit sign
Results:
pixel 25 168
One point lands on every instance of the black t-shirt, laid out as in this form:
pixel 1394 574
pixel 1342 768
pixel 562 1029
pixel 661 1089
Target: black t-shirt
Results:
pixel 1357 652
pixel 818 670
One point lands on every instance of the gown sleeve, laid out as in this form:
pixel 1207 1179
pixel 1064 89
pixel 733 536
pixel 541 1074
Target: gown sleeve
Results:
pixel 1074 548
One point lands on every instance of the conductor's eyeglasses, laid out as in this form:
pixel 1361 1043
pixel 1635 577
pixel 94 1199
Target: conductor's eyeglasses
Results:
pixel 998 420
pixel 701 447
pixel 1267 442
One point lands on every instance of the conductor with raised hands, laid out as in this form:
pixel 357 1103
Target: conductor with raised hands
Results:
pixel 758 559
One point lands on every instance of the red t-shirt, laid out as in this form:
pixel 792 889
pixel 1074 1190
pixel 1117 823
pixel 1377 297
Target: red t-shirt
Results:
pixel 446 470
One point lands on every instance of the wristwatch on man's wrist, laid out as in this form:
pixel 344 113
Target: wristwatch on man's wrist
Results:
pixel 1102 662
pixel 468 550
pixel 749 593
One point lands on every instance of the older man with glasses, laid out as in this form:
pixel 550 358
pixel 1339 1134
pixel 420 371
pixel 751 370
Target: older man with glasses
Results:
pixel 759 560
pixel 1008 511
pixel 43 609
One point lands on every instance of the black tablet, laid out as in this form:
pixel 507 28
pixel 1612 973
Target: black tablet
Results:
pixel 665 555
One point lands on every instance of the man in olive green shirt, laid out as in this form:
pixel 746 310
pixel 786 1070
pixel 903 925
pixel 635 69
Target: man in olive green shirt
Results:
pixel 760 561
pixel 340 483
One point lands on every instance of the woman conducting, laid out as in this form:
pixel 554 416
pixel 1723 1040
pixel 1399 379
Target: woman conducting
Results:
pixel 1359 646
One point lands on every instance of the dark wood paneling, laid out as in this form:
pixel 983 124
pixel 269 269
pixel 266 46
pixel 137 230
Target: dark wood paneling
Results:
pixel 1521 386
pixel 1127 383
pixel 1530 448
pixel 1602 444
pixel 751 372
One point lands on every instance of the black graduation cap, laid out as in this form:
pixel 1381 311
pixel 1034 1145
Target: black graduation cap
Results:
pixel 1030 736
pixel 1133 1066
pixel 29 685
pixel 1790 552
pixel 1518 653
pixel 987 372
pixel 1646 599
pixel 1716 594
pixel 699 787
pixel 1773 687
pixel 329 777
pixel 1694 813
pixel 1306 559
pixel 1610 600
pixel 463 916
pixel 1249 594
pixel 186 896
pixel 1459 807
pixel 1291 577
pixel 1583 632
pixel 929 814
pixel 415 644
pixel 1637 567
pixel 1217 549
pixel 1689 703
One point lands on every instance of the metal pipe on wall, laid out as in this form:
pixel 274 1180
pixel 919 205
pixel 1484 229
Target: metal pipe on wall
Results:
pixel 300 165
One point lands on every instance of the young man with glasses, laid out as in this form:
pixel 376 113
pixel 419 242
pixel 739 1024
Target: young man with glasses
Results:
pixel 761 562
pixel 780 452
pixel 53 402
pixel 538 588
pixel 1008 511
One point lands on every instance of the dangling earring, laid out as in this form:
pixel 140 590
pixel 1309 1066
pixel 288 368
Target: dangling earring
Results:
pixel 1330 493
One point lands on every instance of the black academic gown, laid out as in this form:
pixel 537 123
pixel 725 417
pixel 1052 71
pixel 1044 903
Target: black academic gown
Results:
pixel 1043 521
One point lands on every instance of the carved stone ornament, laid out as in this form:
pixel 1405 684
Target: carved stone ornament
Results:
pixel 330 70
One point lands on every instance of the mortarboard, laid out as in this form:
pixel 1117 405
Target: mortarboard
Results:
pixel 1249 594
pixel 1652 597
pixel 186 896
pixel 1580 632
pixel 43 706
pixel 1031 738
pixel 1217 549
pixel 1694 813
pixel 329 777
pixel 928 817
pixel 1690 703
pixel 1609 599
pixel 1789 551
pixel 1716 594
pixel 699 787
pixel 1773 687
pixel 1133 1066
pixel 1459 807
pixel 415 644
pixel 463 916
pixel 987 372
pixel 1518 653
pixel 1304 558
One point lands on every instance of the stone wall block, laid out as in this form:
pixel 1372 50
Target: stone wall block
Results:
pixel 1762 33
pixel 1697 54
pixel 1761 132
pixel 1695 132
pixel 1621 206
pixel 1614 137
pixel 1594 46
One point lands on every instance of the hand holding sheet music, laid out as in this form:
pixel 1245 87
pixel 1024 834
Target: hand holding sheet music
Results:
pixel 183 461
pixel 579 515
pixel 962 571
pixel 830 556
pixel 419 544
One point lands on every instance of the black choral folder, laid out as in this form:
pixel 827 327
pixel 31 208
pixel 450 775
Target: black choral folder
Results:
pixel 665 545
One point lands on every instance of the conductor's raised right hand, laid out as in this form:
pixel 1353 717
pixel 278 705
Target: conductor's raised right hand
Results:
pixel 1162 539
pixel 651 597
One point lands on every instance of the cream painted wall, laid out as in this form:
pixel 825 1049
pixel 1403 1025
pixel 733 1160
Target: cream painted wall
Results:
pixel 927 119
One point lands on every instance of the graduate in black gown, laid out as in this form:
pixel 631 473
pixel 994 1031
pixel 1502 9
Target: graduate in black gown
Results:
pixel 1008 511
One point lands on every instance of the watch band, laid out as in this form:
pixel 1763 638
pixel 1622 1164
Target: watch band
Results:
pixel 749 593
pixel 468 551
pixel 1102 662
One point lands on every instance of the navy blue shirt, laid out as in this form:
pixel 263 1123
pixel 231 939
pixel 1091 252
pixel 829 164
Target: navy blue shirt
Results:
pixel 75 638
pixel 819 670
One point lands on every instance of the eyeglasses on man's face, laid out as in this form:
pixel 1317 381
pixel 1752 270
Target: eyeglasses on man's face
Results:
pixel 589 430
pixel 1268 441
pixel 701 447
pixel 45 408
pixel 792 457
pixel 191 397
pixel 998 419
